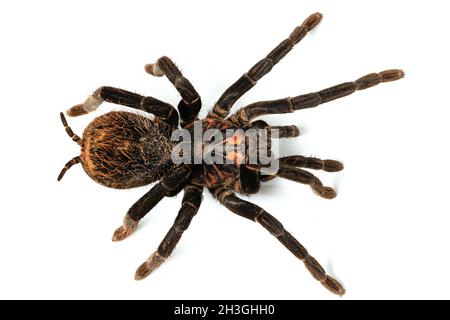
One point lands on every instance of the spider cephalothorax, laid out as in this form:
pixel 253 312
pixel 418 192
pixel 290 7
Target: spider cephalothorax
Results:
pixel 126 150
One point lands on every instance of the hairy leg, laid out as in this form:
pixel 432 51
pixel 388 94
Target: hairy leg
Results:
pixel 249 79
pixel 312 163
pixel 191 103
pixel 248 180
pixel 163 188
pixel 190 204
pixel 311 100
pixel 291 131
pixel 164 112
pixel 305 177
pixel 255 213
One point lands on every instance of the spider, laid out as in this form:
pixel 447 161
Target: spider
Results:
pixel 125 150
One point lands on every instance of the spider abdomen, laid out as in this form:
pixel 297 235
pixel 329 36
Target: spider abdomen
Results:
pixel 124 150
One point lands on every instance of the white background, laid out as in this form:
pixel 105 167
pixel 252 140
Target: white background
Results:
pixel 386 235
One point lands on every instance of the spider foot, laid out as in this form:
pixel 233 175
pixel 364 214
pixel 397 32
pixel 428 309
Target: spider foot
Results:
pixel 324 192
pixel 333 285
pixel 153 69
pixel 313 20
pixel 332 165
pixel 91 104
pixel 128 227
pixel 149 266
pixel 76 111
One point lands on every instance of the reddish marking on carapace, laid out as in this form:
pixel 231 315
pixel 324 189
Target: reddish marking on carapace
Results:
pixel 237 138
pixel 236 157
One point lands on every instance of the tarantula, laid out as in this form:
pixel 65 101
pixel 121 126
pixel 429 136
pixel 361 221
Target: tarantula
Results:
pixel 126 150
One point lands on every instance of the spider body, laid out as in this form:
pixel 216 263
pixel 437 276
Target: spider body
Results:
pixel 126 150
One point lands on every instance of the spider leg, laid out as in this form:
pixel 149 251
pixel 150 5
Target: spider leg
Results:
pixel 190 105
pixel 165 187
pixel 286 131
pixel 190 204
pixel 305 177
pixel 291 131
pixel 249 180
pixel 164 112
pixel 302 176
pixel 255 213
pixel 249 79
pixel 311 100
pixel 312 163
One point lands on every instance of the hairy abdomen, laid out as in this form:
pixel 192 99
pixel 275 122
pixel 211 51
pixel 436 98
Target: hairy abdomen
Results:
pixel 124 150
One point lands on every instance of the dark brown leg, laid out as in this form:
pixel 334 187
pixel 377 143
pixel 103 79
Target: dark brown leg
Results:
pixel 191 103
pixel 305 177
pixel 291 131
pixel 249 179
pixel 306 162
pixel 163 188
pixel 191 202
pixel 311 100
pixel 253 212
pixel 249 79
pixel 68 166
pixel 163 111
pixel 312 163
pixel 286 131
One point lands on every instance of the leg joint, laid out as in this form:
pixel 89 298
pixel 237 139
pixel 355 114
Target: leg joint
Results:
pixel 270 223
